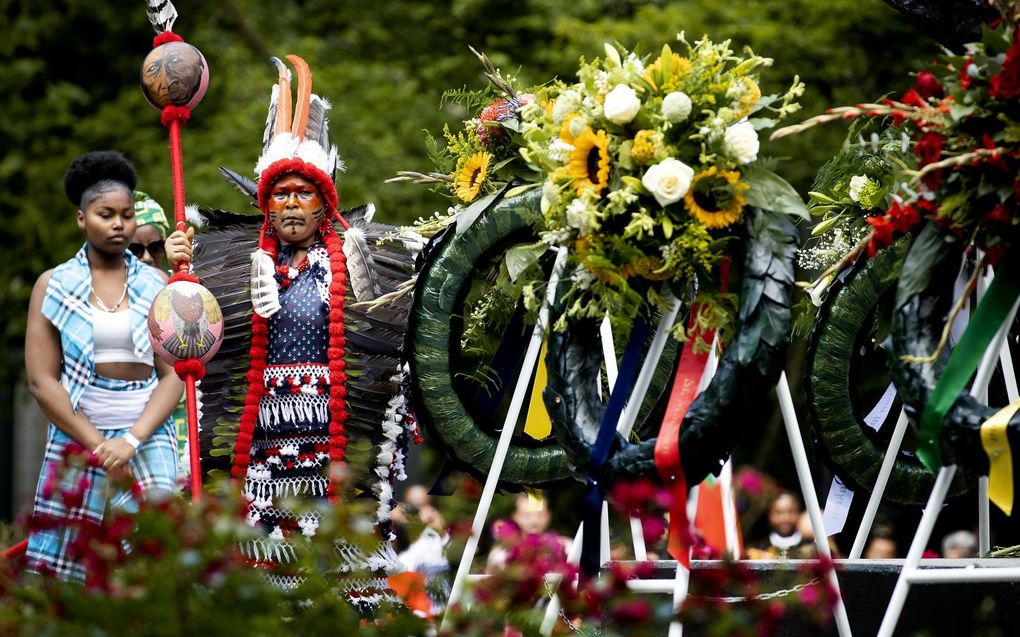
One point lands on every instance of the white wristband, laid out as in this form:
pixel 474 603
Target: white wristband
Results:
pixel 131 440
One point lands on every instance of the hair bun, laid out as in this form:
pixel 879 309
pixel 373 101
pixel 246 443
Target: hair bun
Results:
pixel 96 166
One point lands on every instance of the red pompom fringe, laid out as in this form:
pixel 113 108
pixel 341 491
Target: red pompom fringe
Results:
pixel 249 417
pixel 166 36
pixel 190 367
pixel 173 113
pixel 337 340
pixel 183 275
pixel 336 351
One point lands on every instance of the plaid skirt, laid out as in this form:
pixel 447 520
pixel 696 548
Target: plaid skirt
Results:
pixel 154 467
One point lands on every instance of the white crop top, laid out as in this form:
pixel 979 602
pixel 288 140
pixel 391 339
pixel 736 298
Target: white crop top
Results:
pixel 112 339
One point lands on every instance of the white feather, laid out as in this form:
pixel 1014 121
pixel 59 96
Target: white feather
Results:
pixel 162 14
pixel 360 265
pixel 194 217
pixel 265 296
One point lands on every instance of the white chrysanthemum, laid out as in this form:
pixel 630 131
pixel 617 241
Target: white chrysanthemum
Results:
pixel 578 216
pixel 550 196
pixel 633 66
pixel 568 102
pixel 560 150
pixel 857 184
pixel 582 278
pixel 741 142
pixel 676 107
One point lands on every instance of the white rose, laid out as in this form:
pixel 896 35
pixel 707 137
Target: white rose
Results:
pixel 857 184
pixel 741 142
pixel 668 180
pixel 676 107
pixel 622 104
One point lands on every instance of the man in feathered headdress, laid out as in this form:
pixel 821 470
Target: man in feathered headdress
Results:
pixel 292 436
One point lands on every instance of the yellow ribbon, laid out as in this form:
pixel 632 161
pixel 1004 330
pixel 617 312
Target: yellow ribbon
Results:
pixel 538 425
pixel 536 502
pixel 1000 458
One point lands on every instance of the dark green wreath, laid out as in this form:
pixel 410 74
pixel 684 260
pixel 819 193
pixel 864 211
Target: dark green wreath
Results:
pixel 747 372
pixel 923 299
pixel 842 327
pixel 442 405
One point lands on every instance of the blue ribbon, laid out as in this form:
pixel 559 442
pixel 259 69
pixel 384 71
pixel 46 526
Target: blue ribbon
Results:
pixel 604 443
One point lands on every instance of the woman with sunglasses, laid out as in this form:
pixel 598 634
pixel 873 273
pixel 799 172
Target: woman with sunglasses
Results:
pixel 153 227
pixel 92 369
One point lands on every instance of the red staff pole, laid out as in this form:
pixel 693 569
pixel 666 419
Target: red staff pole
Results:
pixel 173 117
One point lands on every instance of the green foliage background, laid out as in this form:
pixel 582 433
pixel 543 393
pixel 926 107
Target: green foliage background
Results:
pixel 69 83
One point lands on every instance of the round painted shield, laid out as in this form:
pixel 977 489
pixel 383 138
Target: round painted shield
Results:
pixel 174 73
pixel 185 321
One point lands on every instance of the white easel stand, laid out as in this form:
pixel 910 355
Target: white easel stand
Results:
pixel 896 441
pixel 506 435
pixel 911 573
pixel 624 428
pixel 807 488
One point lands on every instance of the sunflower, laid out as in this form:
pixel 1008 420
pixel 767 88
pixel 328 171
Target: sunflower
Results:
pixel 589 161
pixel 716 197
pixel 468 180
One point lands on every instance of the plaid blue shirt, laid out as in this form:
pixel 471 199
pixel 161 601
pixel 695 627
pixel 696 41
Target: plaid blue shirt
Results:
pixel 68 308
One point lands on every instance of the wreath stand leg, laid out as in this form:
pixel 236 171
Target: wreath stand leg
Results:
pixel 1006 363
pixel 612 371
pixel 911 573
pixel 807 487
pixel 624 427
pixel 505 437
pixel 891 452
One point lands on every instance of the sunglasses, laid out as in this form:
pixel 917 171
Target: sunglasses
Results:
pixel 155 248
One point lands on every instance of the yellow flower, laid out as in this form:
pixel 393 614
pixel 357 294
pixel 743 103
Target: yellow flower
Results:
pixel 663 73
pixel 646 144
pixel 716 197
pixel 589 161
pixel 750 97
pixel 469 178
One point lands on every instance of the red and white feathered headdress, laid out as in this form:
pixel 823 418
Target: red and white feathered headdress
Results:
pixel 296 140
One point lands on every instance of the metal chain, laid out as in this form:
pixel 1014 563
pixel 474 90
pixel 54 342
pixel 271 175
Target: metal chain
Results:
pixel 563 614
pixel 735 599
pixel 761 596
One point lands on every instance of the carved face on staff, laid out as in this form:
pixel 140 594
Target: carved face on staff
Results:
pixel 296 210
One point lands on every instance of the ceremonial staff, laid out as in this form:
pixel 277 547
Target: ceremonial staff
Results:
pixel 185 321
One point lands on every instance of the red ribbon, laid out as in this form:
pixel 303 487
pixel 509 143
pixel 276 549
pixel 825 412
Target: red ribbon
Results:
pixel 667 447
pixel 689 371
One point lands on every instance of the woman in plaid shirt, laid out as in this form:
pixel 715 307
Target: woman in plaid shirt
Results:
pixel 91 368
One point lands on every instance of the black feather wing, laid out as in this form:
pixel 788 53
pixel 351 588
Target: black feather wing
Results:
pixel 222 260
